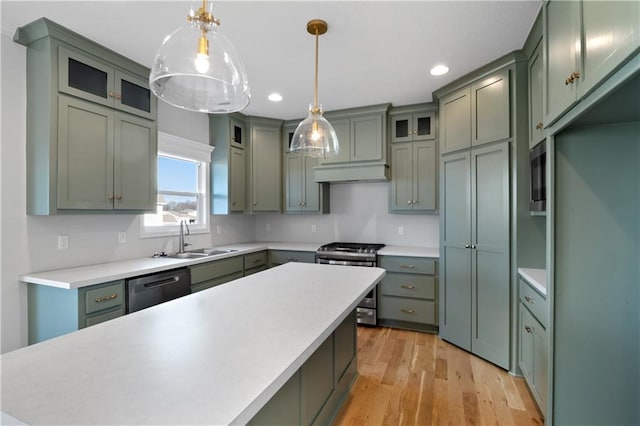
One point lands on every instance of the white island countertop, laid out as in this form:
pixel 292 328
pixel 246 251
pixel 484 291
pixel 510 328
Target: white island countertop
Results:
pixel 213 357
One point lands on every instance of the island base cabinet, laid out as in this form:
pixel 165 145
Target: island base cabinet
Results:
pixel 315 393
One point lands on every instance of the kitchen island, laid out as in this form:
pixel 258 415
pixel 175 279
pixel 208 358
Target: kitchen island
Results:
pixel 213 357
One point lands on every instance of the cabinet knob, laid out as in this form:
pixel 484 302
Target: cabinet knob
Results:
pixel 110 198
pixel 112 94
pixel 408 201
pixel 526 327
pixel 407 311
pixel 415 201
pixel 118 96
pixel 118 197
pixel 255 203
pixel 473 246
pixel 467 246
pixel 529 300
pixel 539 126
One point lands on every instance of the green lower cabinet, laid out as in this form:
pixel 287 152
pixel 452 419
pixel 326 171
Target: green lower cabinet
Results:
pixel 315 393
pixel 533 357
pixel 255 262
pixel 408 293
pixel 211 274
pixel 279 257
pixel 56 311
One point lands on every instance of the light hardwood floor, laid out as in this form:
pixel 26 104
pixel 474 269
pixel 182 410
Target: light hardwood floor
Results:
pixel 410 378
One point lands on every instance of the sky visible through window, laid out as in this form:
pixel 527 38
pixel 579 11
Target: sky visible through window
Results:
pixel 177 175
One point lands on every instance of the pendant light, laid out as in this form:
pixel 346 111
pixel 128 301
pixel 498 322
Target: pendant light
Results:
pixel 315 136
pixel 198 69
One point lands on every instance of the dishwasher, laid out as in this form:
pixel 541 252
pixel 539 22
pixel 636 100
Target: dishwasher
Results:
pixel 152 289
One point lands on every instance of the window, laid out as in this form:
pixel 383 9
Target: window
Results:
pixel 183 188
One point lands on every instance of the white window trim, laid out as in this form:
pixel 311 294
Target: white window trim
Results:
pixel 178 147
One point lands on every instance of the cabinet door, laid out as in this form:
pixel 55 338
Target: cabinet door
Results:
pixel 366 138
pixel 85 155
pixel 525 344
pixel 423 126
pixel 84 77
pixel 490 109
pixel 562 42
pixel 294 182
pixel 402 128
pixel 401 189
pixel 490 277
pixel 611 33
pixel 133 95
pixel 536 127
pixel 135 163
pixel 311 199
pixel 455 271
pixel 424 175
pixel 343 132
pixel 540 364
pixel 265 168
pixel 317 381
pixel 455 119
pixel 237 180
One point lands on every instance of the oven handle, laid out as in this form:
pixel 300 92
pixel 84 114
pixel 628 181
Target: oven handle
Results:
pixel 345 262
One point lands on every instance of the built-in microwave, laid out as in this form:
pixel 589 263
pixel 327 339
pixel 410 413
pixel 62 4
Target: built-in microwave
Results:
pixel 538 182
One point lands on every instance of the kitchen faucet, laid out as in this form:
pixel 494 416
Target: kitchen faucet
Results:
pixel 181 243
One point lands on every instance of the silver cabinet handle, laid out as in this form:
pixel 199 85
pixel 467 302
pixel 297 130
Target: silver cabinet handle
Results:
pixel 473 246
pixel 526 327
pixel 408 201
pixel 467 246
pixel 408 287
pixel 407 266
pixel 255 203
pixel 408 311
pixel 529 300
pixel 105 298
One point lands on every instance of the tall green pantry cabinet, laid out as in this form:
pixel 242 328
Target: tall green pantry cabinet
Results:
pixel 91 133
pixel 483 133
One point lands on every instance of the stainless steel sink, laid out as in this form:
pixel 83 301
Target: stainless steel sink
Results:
pixel 201 252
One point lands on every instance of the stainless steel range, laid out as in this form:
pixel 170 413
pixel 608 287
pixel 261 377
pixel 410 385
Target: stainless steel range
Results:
pixel 355 254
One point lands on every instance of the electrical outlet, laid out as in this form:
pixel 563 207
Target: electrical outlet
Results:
pixel 63 242
pixel 268 227
pixel 219 229
pixel 400 230
pixel 122 237
pixel 314 228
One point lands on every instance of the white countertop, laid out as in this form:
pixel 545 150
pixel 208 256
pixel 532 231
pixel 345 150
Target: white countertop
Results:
pixel 213 357
pixel 82 276
pixel 537 278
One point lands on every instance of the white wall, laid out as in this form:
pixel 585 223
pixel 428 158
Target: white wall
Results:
pixel 359 213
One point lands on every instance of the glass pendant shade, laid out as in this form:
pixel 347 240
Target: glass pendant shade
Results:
pixel 198 69
pixel 315 136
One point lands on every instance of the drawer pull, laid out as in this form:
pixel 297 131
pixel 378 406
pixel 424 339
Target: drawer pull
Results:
pixel 105 298
pixel 408 311
pixel 257 260
pixel 407 266
pixel 529 300
pixel 526 327
pixel 293 259
pixel 408 287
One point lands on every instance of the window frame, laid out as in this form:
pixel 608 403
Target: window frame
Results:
pixel 172 146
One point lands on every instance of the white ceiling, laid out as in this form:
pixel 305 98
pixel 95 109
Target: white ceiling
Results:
pixel 374 52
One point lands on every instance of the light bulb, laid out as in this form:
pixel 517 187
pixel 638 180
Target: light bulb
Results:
pixel 202 63
pixel 315 135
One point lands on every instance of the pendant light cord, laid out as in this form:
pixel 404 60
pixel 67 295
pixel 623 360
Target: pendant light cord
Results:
pixel 315 86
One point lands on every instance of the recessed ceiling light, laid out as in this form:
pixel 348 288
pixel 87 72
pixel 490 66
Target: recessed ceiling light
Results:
pixel 439 70
pixel 275 97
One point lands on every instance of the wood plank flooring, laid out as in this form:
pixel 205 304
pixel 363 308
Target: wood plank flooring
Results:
pixel 410 378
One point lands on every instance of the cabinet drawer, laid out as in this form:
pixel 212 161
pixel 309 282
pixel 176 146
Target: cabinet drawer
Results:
pixel 412 265
pixel 403 309
pixel 535 302
pixel 257 269
pixel 409 285
pixel 279 257
pixel 203 285
pixel 254 260
pixel 97 319
pixel 104 297
pixel 218 268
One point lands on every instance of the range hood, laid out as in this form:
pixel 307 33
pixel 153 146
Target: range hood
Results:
pixel 352 172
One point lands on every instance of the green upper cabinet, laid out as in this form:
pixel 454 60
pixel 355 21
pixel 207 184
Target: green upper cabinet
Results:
pixel 476 114
pixel 413 177
pixel 91 130
pixel 584 43
pixel 416 126
pixel 536 126
pixel 302 194
pixel 227 133
pixel 96 81
pixel 264 165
